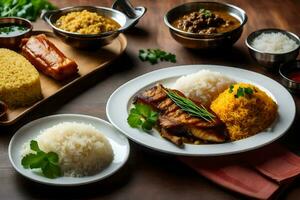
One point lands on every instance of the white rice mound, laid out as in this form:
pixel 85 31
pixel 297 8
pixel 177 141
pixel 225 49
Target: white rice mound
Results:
pixel 274 43
pixel 203 86
pixel 81 148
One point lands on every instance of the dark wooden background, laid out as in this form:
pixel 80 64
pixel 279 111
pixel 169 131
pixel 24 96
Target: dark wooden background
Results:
pixel 148 174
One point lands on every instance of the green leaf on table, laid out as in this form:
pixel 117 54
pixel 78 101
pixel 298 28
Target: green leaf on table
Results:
pixel 155 55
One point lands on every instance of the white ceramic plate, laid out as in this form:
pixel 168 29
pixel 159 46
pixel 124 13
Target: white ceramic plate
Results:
pixel 31 130
pixel 120 101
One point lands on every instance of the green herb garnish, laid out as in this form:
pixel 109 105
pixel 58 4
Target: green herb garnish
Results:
pixel 48 162
pixel 241 91
pixel 154 55
pixel 206 13
pixel 142 116
pixel 189 106
pixel 231 88
pixel 29 9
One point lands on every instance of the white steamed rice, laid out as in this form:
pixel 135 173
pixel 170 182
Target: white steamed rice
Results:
pixel 274 43
pixel 81 148
pixel 203 86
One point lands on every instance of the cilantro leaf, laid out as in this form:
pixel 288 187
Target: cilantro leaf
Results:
pixel 37 161
pixel 248 90
pixel 143 55
pixel 47 162
pixel 142 116
pixel 134 120
pixel 53 157
pixel 155 55
pixel 28 160
pixel 143 109
pixel 147 125
pixel 231 88
pixel 242 92
pixel 51 170
pixel 34 146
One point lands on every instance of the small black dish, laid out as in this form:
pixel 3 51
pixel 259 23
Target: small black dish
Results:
pixel 290 75
pixel 3 110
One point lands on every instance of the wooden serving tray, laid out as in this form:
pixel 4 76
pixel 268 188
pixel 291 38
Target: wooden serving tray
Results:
pixel 88 61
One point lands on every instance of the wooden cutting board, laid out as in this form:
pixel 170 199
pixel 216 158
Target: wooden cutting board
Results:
pixel 88 61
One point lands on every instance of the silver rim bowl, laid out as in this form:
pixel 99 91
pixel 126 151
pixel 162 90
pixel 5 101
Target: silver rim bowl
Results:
pixel 272 60
pixel 205 41
pixel 90 40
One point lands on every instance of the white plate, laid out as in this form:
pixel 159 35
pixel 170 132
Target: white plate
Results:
pixel 119 102
pixel 31 130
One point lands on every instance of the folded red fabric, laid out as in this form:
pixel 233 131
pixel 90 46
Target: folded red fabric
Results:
pixel 257 174
pixel 276 162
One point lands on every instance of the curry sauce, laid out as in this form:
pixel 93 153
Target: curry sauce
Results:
pixel 207 22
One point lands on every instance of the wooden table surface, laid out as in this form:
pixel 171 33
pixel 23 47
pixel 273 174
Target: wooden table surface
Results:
pixel 148 174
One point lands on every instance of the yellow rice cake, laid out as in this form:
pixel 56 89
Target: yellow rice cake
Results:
pixel 19 80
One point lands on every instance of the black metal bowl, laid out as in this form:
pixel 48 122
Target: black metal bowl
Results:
pixel 285 72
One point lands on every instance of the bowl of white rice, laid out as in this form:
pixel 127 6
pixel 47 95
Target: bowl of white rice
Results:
pixel 273 47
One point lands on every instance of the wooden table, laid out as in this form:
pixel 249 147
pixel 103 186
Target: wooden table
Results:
pixel 148 174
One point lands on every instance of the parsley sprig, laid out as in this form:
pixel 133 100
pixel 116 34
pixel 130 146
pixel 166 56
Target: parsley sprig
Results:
pixel 154 55
pixel 142 116
pixel 241 91
pixel 189 106
pixel 48 162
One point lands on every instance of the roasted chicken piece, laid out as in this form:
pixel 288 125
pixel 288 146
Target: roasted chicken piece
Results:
pixel 174 122
pixel 47 58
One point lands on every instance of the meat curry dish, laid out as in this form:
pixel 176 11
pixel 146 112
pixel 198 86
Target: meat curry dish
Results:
pixel 207 22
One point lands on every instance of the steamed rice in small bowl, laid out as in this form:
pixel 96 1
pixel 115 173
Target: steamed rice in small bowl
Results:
pixel 81 148
pixel 203 86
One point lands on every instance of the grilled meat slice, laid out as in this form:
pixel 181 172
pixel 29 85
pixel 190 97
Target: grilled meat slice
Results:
pixel 210 134
pixel 175 120
pixel 173 138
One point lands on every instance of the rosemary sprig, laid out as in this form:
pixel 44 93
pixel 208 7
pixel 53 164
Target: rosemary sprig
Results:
pixel 189 106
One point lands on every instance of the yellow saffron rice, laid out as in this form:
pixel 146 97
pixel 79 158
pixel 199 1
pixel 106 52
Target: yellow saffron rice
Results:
pixel 19 80
pixel 245 115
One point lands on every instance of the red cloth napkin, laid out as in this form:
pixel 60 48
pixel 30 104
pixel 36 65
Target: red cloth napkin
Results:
pixel 258 174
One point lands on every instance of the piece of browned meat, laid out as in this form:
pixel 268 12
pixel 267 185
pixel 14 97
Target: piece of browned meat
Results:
pixel 169 136
pixel 47 58
pixel 175 121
